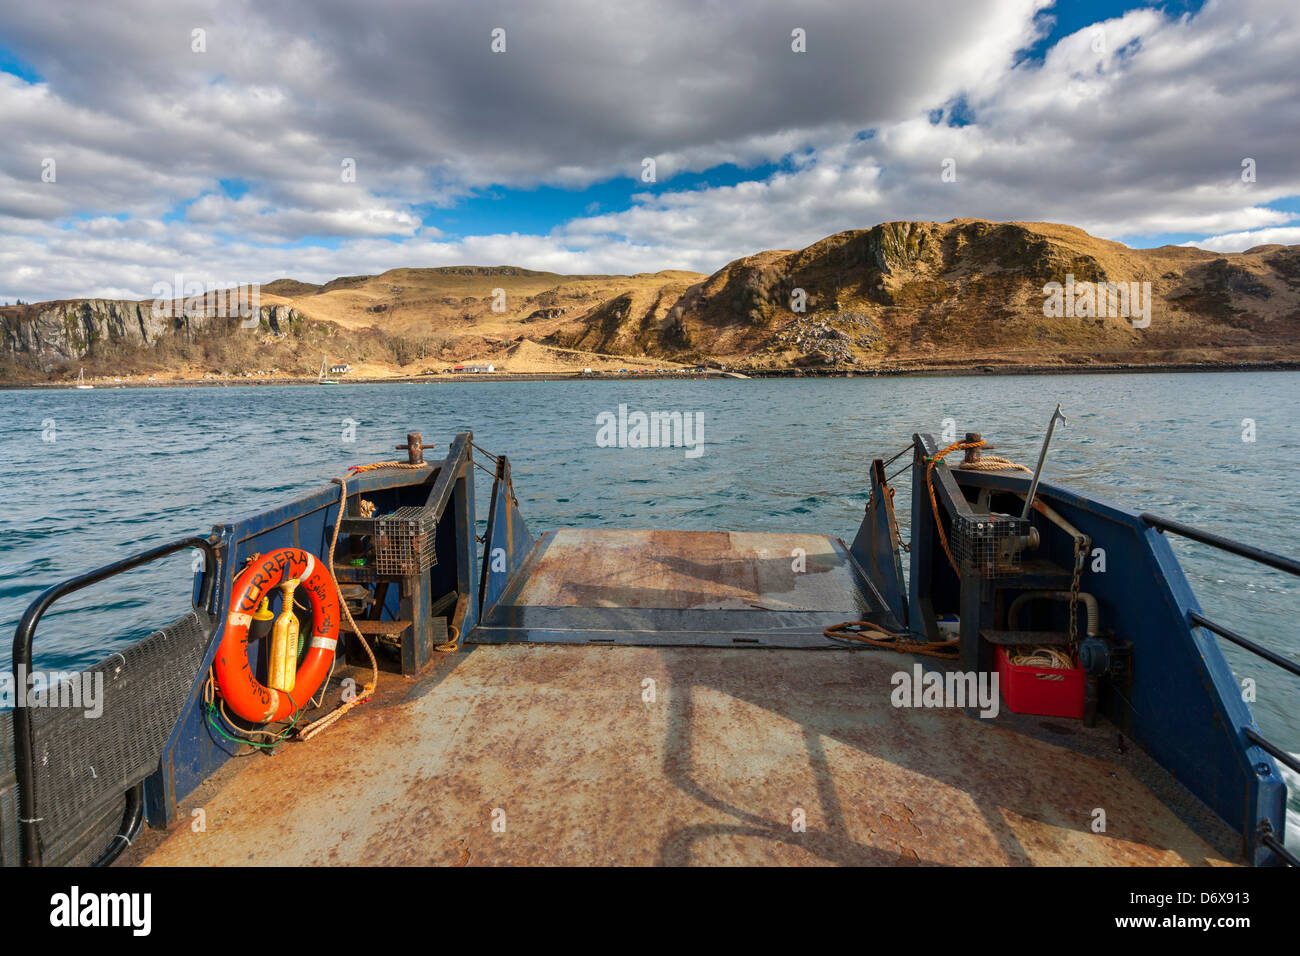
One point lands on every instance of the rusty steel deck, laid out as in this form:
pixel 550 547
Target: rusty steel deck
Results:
pixel 714 588
pixel 669 755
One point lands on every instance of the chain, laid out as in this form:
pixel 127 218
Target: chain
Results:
pixel 1079 558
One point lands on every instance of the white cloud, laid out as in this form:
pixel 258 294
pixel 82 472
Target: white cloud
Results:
pixel 1145 136
pixel 1241 241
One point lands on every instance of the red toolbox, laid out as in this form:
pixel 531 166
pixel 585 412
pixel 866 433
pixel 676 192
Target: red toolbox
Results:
pixel 1044 691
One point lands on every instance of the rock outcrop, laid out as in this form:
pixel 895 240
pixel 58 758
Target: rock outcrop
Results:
pixel 47 334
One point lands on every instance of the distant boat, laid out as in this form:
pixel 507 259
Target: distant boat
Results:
pixel 323 378
pixel 81 380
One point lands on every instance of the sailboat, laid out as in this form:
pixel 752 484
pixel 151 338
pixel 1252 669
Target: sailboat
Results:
pixel 323 378
pixel 81 380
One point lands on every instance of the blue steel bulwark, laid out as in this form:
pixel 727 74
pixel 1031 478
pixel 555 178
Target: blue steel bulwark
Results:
pixel 194 751
pixel 875 547
pixel 506 543
pixel 1183 705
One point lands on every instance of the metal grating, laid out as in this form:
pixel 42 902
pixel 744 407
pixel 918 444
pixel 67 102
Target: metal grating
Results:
pixel 405 542
pixel 85 765
pixel 8 793
pixel 990 545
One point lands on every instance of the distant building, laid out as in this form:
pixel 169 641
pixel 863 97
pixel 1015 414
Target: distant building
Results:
pixel 476 368
pixel 340 369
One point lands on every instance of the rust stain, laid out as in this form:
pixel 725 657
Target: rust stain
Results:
pixel 904 821
pixel 688 569
pixel 712 771
pixel 463 847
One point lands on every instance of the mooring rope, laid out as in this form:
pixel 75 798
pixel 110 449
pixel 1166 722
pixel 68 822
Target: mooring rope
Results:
pixel 993 463
pixel 316 726
pixel 892 641
pixel 453 644
pixel 358 469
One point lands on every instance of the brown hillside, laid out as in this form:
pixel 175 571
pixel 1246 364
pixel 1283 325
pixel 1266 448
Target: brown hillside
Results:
pixel 898 295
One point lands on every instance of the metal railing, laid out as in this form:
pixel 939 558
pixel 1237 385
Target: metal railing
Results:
pixel 1272 560
pixel 24 756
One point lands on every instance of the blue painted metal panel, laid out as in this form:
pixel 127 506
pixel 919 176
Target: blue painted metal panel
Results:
pixel 466 553
pixel 194 751
pixel 875 548
pixel 1184 706
pixel 506 542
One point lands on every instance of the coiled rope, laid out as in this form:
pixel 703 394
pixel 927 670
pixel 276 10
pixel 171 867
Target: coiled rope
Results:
pixel 993 463
pixel 358 469
pixel 1043 657
pixel 452 644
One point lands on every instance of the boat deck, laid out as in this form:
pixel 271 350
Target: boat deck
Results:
pixel 714 588
pixel 582 768
pixel 671 754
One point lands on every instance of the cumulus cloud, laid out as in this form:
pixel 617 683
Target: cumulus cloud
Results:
pixel 1146 135
pixel 1132 127
pixel 1241 241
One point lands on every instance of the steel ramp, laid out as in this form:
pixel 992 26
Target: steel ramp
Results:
pixel 711 588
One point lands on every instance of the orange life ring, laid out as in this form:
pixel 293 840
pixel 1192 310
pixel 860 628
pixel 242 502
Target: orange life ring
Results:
pixel 247 696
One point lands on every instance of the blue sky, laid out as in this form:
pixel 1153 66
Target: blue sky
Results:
pixel 213 141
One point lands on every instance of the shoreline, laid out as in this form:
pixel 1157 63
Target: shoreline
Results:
pixel 917 371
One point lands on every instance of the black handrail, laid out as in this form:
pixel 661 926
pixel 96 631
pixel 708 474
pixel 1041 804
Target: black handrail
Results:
pixel 1289 565
pixel 24 759
pixel 1272 560
pixel 1271 656
pixel 1254 737
pixel 1276 845
pixel 132 820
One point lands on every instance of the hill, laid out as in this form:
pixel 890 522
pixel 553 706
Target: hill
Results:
pixel 897 296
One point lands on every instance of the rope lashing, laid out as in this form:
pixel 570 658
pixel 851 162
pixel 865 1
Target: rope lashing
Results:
pixel 306 733
pixel 858 631
pixel 358 469
pixel 991 463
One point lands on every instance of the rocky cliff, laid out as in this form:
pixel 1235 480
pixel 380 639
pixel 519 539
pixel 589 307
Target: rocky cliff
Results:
pixel 47 335
pixel 969 290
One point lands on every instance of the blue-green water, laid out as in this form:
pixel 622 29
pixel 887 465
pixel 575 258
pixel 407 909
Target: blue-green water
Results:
pixel 127 469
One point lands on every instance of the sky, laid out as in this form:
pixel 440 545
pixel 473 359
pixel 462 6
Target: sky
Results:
pixel 247 141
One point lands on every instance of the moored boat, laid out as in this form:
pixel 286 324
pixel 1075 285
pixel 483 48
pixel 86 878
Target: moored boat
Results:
pixel 630 696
